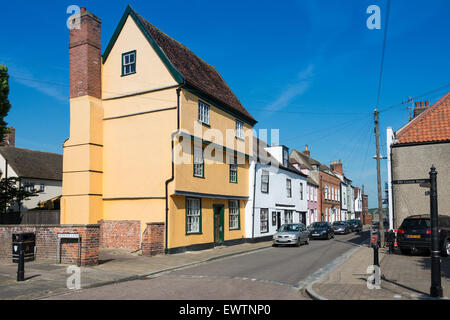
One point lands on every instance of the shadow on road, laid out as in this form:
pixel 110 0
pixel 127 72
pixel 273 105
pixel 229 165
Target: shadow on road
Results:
pixel 355 241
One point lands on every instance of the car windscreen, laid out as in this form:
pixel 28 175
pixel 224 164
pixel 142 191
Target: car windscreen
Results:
pixel 289 228
pixel 416 224
pixel 339 224
pixel 319 225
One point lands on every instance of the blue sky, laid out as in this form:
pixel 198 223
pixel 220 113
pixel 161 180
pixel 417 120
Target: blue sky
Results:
pixel 307 67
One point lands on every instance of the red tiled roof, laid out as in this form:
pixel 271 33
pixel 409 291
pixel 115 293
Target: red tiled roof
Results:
pixel 196 72
pixel 433 125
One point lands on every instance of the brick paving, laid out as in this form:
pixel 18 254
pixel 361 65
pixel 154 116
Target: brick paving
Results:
pixel 403 277
pixel 46 278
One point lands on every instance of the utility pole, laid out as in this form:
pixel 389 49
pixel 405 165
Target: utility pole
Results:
pixel 380 201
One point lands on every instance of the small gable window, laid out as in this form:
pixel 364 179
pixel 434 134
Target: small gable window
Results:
pixel 129 63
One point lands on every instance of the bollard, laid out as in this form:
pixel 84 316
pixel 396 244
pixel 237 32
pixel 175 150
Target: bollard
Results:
pixel 375 255
pixel 21 266
pixel 436 287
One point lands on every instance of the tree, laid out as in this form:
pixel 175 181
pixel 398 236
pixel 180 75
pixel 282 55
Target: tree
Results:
pixel 4 102
pixel 12 191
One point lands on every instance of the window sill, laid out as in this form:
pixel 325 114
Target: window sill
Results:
pixel 235 229
pixel 128 74
pixel 200 177
pixel 204 124
pixel 193 233
pixel 239 138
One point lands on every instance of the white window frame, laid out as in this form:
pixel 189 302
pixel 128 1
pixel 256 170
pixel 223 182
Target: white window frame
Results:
pixel 288 216
pixel 233 214
pixel 265 173
pixel 264 213
pixel 203 112
pixel 239 129
pixel 288 188
pixel 129 65
pixel 233 170
pixel 199 163
pixel 193 215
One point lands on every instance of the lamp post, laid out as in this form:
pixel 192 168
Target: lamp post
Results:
pixel 436 288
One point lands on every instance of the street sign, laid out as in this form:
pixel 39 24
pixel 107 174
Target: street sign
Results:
pixel 411 181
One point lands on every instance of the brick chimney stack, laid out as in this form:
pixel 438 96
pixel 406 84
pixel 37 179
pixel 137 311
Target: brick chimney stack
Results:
pixel 420 107
pixel 306 151
pixel 9 139
pixel 337 166
pixel 85 57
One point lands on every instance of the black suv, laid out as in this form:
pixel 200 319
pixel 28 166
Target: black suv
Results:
pixel 355 225
pixel 415 233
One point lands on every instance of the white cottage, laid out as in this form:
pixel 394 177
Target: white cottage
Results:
pixel 278 192
pixel 38 170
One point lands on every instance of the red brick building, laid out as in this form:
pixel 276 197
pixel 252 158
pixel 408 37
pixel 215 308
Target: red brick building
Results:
pixel 330 199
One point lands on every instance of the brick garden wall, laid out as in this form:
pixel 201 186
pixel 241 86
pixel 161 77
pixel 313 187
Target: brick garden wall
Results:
pixel 153 239
pixel 46 242
pixel 124 234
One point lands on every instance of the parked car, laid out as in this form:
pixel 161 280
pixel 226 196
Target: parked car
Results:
pixel 415 234
pixel 321 230
pixel 341 227
pixel 291 234
pixel 355 225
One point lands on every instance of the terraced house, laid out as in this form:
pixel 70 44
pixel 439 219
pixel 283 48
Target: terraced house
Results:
pixel 158 141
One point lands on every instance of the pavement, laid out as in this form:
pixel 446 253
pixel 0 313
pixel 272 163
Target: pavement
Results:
pixel 275 273
pixel 47 278
pixel 403 277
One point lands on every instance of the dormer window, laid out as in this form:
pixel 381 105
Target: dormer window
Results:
pixel 129 63
pixel 285 157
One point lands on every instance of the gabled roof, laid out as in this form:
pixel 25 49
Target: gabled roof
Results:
pixel 33 164
pixel 266 158
pixel 308 162
pixel 185 66
pixel 432 125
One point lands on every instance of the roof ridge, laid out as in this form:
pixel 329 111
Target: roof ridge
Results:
pixel 25 149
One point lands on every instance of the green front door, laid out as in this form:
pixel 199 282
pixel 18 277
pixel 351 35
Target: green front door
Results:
pixel 218 224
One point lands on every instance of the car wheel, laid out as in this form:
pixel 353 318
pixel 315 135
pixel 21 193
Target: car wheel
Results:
pixel 405 250
pixel 307 240
pixel 299 243
pixel 274 245
pixel 446 248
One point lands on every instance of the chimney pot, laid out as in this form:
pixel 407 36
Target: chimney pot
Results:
pixel 417 104
pixel 421 104
pixel 427 103
pixel 82 9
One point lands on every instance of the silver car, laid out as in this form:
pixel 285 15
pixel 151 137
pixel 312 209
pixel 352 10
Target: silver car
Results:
pixel 291 234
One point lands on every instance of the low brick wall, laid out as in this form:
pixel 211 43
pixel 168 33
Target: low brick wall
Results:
pixel 153 239
pixel 125 234
pixel 47 238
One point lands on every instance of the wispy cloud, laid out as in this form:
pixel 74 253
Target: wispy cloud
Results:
pixel 27 78
pixel 301 85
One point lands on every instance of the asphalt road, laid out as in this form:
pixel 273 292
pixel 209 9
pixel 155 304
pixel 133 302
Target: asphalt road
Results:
pixel 272 273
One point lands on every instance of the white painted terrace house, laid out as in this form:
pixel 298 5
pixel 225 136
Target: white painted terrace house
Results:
pixel 278 192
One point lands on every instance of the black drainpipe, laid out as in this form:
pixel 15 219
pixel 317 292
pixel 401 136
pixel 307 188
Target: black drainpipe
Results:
pixel 173 171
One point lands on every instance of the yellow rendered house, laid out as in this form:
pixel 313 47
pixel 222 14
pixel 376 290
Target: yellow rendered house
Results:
pixel 156 135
